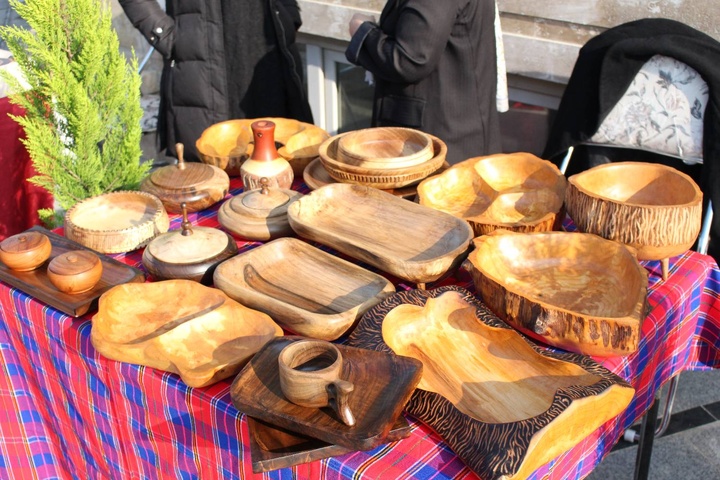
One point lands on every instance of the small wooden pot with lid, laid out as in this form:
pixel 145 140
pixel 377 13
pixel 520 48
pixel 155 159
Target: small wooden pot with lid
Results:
pixel 197 185
pixel 259 215
pixel 76 271
pixel 25 251
pixel 190 253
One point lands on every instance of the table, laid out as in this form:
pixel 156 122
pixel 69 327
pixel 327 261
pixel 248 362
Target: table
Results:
pixel 67 412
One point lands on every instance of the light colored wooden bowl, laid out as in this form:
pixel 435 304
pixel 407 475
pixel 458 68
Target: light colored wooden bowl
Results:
pixel 382 178
pixel 25 251
pixel 75 272
pixel 651 207
pixel 385 147
pixel 576 291
pixel 517 191
pixel 410 241
pixel 116 222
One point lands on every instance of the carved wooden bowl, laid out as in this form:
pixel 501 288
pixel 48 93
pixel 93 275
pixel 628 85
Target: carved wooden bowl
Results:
pixel 228 144
pixel 504 405
pixel 385 147
pixel 576 291
pixel 75 272
pixel 382 178
pixel 651 207
pixel 518 192
pixel 116 222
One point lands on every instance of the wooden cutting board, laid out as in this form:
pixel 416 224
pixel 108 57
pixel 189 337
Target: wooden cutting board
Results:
pixel 37 284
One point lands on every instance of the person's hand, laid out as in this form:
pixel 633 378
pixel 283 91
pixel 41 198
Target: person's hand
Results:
pixel 357 20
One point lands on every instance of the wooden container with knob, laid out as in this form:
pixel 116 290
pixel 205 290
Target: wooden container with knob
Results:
pixel 265 160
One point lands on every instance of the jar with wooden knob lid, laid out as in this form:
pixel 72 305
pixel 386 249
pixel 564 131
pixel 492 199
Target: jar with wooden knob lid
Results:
pixel 76 271
pixel 265 162
pixel 25 251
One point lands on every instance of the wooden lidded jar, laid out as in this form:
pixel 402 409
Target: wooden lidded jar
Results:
pixel 197 185
pixel 25 251
pixel 76 271
pixel 190 253
pixel 265 160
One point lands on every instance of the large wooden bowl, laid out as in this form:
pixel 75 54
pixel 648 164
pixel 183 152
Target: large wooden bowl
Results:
pixel 518 191
pixel 504 405
pixel 576 291
pixel 385 147
pixel 116 222
pixel 652 207
pixel 228 144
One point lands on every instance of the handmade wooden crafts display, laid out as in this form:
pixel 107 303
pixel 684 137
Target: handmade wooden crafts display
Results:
pixel 504 405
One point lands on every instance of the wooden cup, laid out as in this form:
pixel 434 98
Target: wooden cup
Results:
pixel 310 373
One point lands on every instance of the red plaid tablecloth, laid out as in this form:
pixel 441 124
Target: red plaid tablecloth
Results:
pixel 66 412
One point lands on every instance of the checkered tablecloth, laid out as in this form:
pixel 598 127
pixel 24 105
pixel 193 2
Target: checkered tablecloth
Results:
pixel 66 412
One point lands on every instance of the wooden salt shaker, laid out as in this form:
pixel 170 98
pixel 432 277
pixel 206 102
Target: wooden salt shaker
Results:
pixel 265 160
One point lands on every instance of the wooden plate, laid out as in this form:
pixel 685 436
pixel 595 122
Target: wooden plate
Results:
pixel 37 284
pixel 305 289
pixel 385 147
pixel 383 384
pixel 502 404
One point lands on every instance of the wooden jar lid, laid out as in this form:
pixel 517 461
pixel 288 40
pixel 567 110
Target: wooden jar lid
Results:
pixel 24 242
pixel 73 263
pixel 264 203
pixel 182 176
pixel 25 251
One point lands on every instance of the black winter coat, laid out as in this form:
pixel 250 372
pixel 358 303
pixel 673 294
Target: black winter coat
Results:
pixel 195 89
pixel 435 69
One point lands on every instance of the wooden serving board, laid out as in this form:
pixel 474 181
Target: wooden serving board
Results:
pixel 383 384
pixel 273 447
pixel 37 284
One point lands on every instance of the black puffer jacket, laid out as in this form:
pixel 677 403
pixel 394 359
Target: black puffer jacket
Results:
pixel 204 42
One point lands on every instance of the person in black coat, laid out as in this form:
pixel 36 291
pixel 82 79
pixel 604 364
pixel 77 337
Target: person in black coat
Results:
pixel 223 59
pixel 435 69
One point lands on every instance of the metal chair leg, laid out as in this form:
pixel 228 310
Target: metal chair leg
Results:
pixel 647 436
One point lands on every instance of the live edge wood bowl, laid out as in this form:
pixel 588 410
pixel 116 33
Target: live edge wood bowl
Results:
pixel 385 147
pixel 179 326
pixel 306 290
pixel 116 222
pixel 651 207
pixel 576 291
pixel 410 241
pixel 504 405
pixel 517 191
pixel 228 144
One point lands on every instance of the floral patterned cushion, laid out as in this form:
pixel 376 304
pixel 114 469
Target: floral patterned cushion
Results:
pixel 661 111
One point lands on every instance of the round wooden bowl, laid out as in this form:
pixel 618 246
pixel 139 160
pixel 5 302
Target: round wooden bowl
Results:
pixel 25 251
pixel 116 222
pixel 75 272
pixel 382 178
pixel 518 192
pixel 651 207
pixel 385 147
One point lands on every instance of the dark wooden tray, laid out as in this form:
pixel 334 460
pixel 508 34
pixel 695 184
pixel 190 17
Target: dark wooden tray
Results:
pixel 37 284
pixel 383 384
pixel 273 447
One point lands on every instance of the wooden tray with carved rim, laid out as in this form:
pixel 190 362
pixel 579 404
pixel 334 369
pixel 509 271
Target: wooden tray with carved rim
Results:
pixel 504 405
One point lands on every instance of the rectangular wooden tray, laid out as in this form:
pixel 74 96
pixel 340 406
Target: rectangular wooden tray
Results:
pixel 37 284
pixel 383 384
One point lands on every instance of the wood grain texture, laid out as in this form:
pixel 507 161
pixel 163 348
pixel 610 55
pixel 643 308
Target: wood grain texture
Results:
pixel 411 241
pixel 506 443
pixel 575 291
pixel 383 382
pixel 25 251
pixel 75 272
pixel 37 284
pixel 179 326
pixel 306 290
pixel 259 214
pixel 197 185
pixel 385 147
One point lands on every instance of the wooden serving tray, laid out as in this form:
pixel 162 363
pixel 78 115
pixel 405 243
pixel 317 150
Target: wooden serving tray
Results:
pixel 383 384
pixel 37 284
pixel 273 447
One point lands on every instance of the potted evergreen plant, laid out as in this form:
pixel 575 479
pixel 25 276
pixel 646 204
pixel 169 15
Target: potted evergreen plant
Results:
pixel 81 97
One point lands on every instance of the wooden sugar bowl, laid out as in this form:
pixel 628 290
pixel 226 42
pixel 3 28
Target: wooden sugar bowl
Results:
pixel 190 253
pixel 25 251
pixel 259 215
pixel 197 185
pixel 76 271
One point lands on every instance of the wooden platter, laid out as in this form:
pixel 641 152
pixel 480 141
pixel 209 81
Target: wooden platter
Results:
pixel 576 291
pixel 410 241
pixel 383 380
pixel 37 284
pixel 504 405
pixel 305 289
pixel 273 447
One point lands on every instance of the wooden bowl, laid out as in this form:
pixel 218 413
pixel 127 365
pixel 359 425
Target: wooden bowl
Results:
pixel 25 251
pixel 385 147
pixel 518 191
pixel 381 178
pixel 116 222
pixel 651 207
pixel 75 271
pixel 576 291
